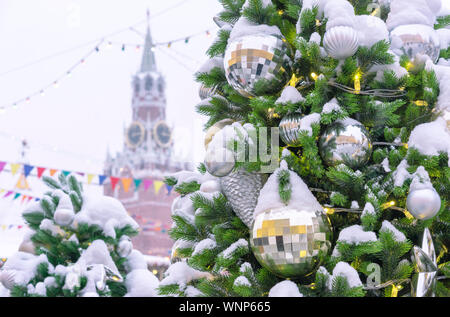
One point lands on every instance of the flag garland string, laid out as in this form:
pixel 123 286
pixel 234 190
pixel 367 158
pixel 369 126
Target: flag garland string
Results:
pixel 126 183
pixel 55 83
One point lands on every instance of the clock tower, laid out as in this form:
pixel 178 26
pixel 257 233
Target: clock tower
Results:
pixel 147 157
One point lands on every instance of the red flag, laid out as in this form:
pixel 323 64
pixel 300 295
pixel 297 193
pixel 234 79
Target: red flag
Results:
pixel 114 181
pixel 40 171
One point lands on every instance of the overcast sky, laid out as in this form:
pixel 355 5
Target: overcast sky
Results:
pixel 72 125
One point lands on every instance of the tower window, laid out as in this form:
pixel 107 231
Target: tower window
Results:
pixel 137 87
pixel 148 83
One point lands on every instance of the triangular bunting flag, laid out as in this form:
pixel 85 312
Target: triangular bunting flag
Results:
pixel 114 181
pixel 157 185
pixel 80 173
pixel 53 171
pixel 90 177
pixel 137 183
pixel 37 199
pixel 66 173
pixel 126 182
pixel 14 168
pixel 2 166
pixel 29 199
pixel 101 179
pixel 17 195
pixel 169 189
pixel 40 171
pixel 147 183
pixel 23 198
pixel 27 169
pixel 9 193
pixel 22 183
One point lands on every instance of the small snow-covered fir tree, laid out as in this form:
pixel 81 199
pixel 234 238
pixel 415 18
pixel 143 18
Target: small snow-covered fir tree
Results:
pixel 401 101
pixel 78 245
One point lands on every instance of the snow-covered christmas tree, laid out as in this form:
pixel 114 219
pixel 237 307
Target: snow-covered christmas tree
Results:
pixel 78 244
pixel 358 203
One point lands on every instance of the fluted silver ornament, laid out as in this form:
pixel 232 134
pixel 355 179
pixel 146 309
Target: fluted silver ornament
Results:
pixel 290 128
pixel 341 42
pixel 206 92
pixel 259 60
pixel 219 161
pixel 423 203
pixel 7 278
pixel 424 285
pixel 415 39
pixel 346 142
pixel 242 191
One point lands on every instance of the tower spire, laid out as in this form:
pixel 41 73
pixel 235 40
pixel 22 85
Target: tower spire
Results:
pixel 148 58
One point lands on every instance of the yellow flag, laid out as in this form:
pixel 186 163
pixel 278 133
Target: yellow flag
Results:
pixel 90 177
pixel 14 168
pixel 157 185
pixel 1 191
pixel 22 183
pixel 126 182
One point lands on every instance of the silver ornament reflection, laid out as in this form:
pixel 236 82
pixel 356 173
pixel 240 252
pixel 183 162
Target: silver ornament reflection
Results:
pixel 423 203
pixel 260 61
pixel 414 39
pixel 290 128
pixel 426 265
pixel 341 42
pixel 346 142
pixel 242 190
pixel 219 161
pixel 290 242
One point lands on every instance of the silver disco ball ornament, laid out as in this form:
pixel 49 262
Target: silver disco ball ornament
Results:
pixel 415 39
pixel 346 142
pixel 290 242
pixel 219 161
pixel 341 42
pixel 290 128
pixel 257 61
pixel 423 203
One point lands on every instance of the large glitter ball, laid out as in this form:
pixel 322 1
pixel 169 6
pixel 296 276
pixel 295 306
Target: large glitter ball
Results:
pixel 416 39
pixel 257 61
pixel 346 142
pixel 289 242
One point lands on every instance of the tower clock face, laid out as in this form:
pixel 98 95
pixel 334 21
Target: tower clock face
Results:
pixel 162 134
pixel 135 135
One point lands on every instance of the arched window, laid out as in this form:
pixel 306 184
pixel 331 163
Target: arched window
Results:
pixel 161 84
pixel 137 87
pixel 148 83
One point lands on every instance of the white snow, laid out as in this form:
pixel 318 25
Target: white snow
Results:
pixel 244 27
pixel 241 281
pixel 24 265
pixel 211 186
pixel 356 235
pixel 106 212
pixel 370 30
pixel 344 269
pixel 354 205
pixel 285 289
pixel 315 38
pixel 385 165
pixel 290 94
pixel 331 106
pixel 97 253
pixel 135 261
pixel 398 70
pixel 210 64
pixel 181 273
pixel 420 180
pixel 48 225
pixel 400 175
pixel 404 12
pixel 204 245
pixel 245 267
pixel 398 236
pixel 191 291
pixel 301 198
pixel 228 252
pixel 141 283
pixel 431 138
pixel 368 210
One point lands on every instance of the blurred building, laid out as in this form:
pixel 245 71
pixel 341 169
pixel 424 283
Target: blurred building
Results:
pixel 147 155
